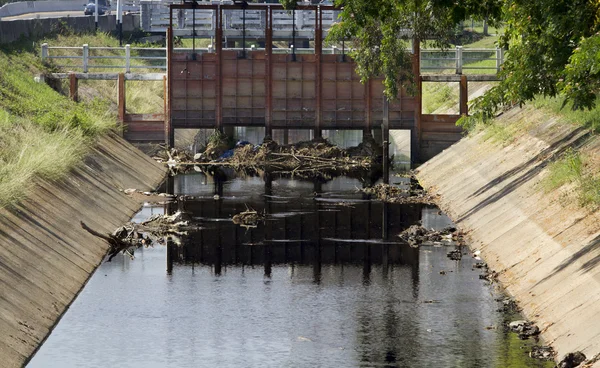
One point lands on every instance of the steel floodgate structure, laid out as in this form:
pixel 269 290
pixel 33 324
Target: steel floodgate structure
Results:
pixel 224 86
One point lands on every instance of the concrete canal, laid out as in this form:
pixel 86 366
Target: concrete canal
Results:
pixel 323 281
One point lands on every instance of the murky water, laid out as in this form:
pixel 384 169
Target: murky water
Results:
pixel 322 283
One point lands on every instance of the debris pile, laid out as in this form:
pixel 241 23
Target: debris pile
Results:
pixel 395 194
pixel 572 360
pixel 525 329
pixel 248 219
pixel 158 229
pixel 542 352
pixel 302 159
pixel 417 235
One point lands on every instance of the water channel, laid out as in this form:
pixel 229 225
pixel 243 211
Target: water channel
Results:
pixel 323 282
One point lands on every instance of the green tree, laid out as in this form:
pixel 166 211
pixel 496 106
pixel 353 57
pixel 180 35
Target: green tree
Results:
pixel 381 31
pixel 553 48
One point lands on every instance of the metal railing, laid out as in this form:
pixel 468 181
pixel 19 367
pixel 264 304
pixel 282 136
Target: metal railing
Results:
pixel 155 17
pixel 433 61
pixel 461 60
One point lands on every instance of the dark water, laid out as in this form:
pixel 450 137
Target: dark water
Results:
pixel 322 283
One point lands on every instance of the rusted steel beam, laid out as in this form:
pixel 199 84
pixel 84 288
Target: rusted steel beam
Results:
pixel 464 95
pixel 169 127
pixel 269 73
pixel 385 131
pixel 416 131
pixel 368 112
pixel 73 87
pixel 121 97
pixel 219 71
pixel 318 77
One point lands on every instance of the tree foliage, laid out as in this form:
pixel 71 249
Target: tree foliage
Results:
pixel 381 30
pixel 553 48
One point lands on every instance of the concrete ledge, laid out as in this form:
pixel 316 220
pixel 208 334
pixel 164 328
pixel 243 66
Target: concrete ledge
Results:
pixel 546 250
pixel 45 255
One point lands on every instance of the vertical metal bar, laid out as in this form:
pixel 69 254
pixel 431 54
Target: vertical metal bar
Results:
pixel 268 73
pixel 96 13
pixel 244 32
pixel 219 52
pixel 464 95
pixel 166 103
pixel 415 140
pixel 120 21
pixel 368 112
pixel 385 131
pixel 294 35
pixel 318 81
pixel 169 127
pixel 73 86
pixel 121 99
pixel 194 30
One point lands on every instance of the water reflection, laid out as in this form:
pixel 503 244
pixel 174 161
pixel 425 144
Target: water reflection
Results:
pixel 323 282
pixel 306 224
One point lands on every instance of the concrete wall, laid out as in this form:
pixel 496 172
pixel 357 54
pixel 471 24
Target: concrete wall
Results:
pixel 45 255
pixel 545 247
pixel 26 7
pixel 12 30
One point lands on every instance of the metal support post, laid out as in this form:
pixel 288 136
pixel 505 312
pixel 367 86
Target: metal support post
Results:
pixel 385 132
pixel 318 78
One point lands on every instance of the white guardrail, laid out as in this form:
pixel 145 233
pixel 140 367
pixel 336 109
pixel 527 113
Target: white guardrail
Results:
pixel 434 61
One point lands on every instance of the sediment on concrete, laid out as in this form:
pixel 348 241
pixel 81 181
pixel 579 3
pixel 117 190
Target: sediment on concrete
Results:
pixel 544 245
pixel 45 255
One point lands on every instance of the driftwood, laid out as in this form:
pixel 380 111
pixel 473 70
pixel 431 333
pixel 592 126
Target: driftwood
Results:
pixel 116 245
pixel 159 229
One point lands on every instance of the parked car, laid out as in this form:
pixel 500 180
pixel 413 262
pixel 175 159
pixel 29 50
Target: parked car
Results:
pixel 103 7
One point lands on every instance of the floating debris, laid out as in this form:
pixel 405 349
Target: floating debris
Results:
pixel 248 219
pixel 572 360
pixel 455 255
pixel 417 235
pixel 525 329
pixel 158 229
pixel 542 352
pixel 303 159
pixel 396 194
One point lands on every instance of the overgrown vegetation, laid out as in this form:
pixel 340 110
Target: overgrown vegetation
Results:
pixel 43 134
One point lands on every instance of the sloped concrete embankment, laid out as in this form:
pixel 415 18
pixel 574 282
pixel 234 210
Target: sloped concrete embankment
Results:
pixel 45 255
pixel 544 245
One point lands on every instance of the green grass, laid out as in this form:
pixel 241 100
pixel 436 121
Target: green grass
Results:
pixel 438 95
pixel 574 168
pixel 43 134
pixel 586 118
